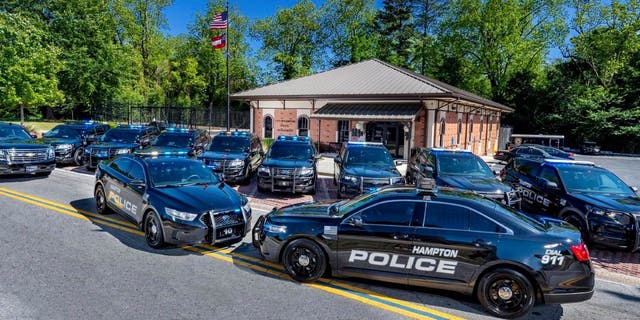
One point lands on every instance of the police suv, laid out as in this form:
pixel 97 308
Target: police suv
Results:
pixel 173 200
pixel 21 153
pixel 593 199
pixel 70 139
pixel 235 155
pixel 289 165
pixel 443 239
pixel 176 142
pixel 122 139
pixel 460 169
pixel 361 167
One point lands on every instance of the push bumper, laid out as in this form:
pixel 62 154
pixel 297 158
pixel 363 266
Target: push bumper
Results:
pixel 294 184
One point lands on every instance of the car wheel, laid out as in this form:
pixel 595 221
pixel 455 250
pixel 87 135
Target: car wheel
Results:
pixel 304 260
pixel 101 201
pixel 77 156
pixel 335 182
pixel 247 177
pixel 506 293
pixel 576 221
pixel 153 231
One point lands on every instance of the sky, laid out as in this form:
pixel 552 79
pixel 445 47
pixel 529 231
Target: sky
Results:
pixel 183 12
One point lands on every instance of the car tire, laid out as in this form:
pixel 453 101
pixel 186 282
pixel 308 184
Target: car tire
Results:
pixel 506 293
pixel 44 174
pixel 304 260
pixel 77 156
pixel 101 201
pixel 576 221
pixel 153 233
pixel 247 177
pixel 262 189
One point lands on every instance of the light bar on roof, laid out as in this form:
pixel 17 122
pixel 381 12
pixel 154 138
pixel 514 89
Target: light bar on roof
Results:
pixel 567 161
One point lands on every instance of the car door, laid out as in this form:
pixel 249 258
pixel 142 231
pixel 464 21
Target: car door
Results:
pixel 546 187
pixel 115 180
pixel 452 243
pixel 134 191
pixel 376 241
pixel 338 164
pixel 255 153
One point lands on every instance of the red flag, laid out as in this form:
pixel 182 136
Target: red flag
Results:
pixel 218 42
pixel 219 21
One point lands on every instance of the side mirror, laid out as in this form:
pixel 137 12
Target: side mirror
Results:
pixel 552 185
pixel 33 135
pixel 399 162
pixel 317 156
pixel 355 222
pixel 137 184
pixel 635 189
pixel 337 160
pixel 428 171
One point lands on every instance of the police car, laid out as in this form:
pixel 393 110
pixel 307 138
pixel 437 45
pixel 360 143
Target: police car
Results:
pixel 176 142
pixel 591 198
pixel 361 167
pixel 70 139
pixel 438 238
pixel 20 153
pixel 460 169
pixel 290 166
pixel 173 200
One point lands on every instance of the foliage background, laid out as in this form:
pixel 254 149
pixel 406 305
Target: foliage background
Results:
pixel 67 58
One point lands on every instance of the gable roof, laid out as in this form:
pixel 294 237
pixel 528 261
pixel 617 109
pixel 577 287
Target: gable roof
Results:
pixel 370 79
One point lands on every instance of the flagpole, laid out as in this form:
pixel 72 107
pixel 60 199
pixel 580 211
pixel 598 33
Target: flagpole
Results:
pixel 227 45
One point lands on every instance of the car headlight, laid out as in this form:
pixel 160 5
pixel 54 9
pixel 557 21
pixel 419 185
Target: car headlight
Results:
pixel 306 171
pixel 180 214
pixel 122 151
pixel 4 155
pixel 246 208
pixel 619 217
pixel 65 146
pixel 51 153
pixel 350 178
pixel 264 170
pixel 273 228
pixel 236 163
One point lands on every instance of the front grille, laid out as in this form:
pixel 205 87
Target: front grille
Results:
pixel 374 183
pixel 27 155
pixel 227 218
pixel 223 225
pixel 285 172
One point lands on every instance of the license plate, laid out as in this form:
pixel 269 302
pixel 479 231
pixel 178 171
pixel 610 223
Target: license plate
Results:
pixel 283 183
pixel 101 154
pixel 224 233
pixel 31 168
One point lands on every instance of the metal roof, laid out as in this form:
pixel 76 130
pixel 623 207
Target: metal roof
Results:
pixel 359 111
pixel 370 79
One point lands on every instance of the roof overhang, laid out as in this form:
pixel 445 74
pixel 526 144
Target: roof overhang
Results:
pixel 368 111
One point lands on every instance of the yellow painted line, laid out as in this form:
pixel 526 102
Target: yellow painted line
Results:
pixel 224 253
pixel 62 205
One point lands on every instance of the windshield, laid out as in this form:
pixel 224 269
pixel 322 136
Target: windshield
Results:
pixel 125 136
pixel 63 132
pixel 13 133
pixel 295 151
pixel 368 157
pixel 173 140
pixel 592 180
pixel 463 166
pixel 180 172
pixel 229 144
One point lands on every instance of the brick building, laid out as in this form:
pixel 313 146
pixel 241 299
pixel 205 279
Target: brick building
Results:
pixel 375 101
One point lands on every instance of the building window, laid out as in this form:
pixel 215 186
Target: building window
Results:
pixel 470 129
pixel 343 130
pixel 268 127
pixel 303 126
pixel 459 131
pixel 442 123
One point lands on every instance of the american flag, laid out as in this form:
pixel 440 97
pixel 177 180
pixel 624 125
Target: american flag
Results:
pixel 219 21
pixel 218 42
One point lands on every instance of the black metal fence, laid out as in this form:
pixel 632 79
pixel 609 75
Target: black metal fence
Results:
pixel 186 116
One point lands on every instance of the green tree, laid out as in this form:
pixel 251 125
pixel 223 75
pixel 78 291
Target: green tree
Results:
pixel 395 29
pixel 28 64
pixel 503 37
pixel 349 30
pixel 424 47
pixel 291 39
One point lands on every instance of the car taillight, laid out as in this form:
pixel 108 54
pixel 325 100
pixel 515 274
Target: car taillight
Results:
pixel 570 155
pixel 581 252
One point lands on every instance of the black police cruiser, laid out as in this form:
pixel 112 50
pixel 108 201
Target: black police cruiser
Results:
pixel 176 142
pixel 289 165
pixel 234 155
pixel 70 139
pixel 458 169
pixel 122 139
pixel 593 199
pixel 361 167
pixel 173 200
pixel 21 153
pixel 443 239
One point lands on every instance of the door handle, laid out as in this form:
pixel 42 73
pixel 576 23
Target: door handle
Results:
pixel 481 243
pixel 400 236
